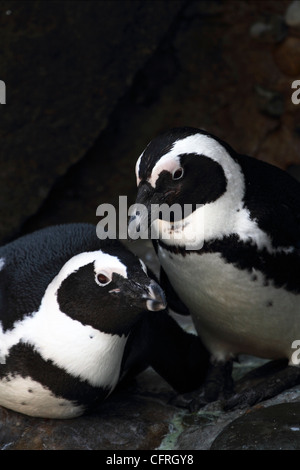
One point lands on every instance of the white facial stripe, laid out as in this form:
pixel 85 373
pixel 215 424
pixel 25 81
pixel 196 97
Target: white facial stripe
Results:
pixel 110 264
pixel 2 263
pixel 198 144
pixel 168 162
pixel 137 169
pixel 144 268
pixel 103 262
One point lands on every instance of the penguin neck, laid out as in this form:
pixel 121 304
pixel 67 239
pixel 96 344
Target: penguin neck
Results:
pixel 214 221
pixel 208 222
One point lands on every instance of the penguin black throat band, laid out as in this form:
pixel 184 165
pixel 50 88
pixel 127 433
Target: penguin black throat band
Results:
pixel 246 256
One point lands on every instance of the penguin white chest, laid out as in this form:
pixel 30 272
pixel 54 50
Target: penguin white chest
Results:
pixel 233 310
pixel 83 353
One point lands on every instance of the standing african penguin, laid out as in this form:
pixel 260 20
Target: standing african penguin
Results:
pixel 234 261
pixel 77 314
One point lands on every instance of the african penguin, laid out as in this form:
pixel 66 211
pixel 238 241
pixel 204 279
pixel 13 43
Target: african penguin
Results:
pixel 232 260
pixel 75 318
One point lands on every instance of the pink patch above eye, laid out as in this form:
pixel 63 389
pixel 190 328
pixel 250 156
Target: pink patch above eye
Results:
pixel 167 163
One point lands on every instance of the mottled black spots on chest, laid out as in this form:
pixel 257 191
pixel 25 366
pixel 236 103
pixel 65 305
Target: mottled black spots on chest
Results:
pixel 282 269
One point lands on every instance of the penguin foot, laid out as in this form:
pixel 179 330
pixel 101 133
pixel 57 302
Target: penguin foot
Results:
pixel 279 382
pixel 218 383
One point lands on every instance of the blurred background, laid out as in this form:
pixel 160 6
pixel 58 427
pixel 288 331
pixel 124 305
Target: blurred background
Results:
pixel 90 83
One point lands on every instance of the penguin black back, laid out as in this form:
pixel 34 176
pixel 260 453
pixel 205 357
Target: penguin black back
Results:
pixel 28 265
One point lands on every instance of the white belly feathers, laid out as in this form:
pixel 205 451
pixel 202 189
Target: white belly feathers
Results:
pixel 233 310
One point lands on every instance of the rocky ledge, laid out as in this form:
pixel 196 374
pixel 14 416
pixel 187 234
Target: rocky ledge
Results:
pixel 140 417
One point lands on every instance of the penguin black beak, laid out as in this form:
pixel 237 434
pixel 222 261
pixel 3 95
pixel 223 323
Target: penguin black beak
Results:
pixel 144 194
pixel 155 297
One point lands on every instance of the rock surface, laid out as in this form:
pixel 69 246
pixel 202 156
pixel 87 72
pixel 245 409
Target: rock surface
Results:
pixel 140 417
pixel 276 427
pixel 129 420
pixel 65 66
pixel 287 56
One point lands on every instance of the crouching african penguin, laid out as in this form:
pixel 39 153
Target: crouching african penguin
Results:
pixel 77 314
pixel 232 260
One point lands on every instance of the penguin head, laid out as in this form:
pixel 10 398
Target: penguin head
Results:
pixel 189 168
pixel 105 290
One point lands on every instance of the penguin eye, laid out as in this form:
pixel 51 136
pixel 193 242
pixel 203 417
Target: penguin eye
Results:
pixel 103 279
pixel 178 173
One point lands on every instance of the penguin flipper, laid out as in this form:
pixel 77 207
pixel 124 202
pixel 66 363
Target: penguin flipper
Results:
pixel 158 341
pixel 283 223
pixel 273 199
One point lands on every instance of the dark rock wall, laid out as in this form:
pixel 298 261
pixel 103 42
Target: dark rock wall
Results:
pixel 90 83
pixel 65 64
